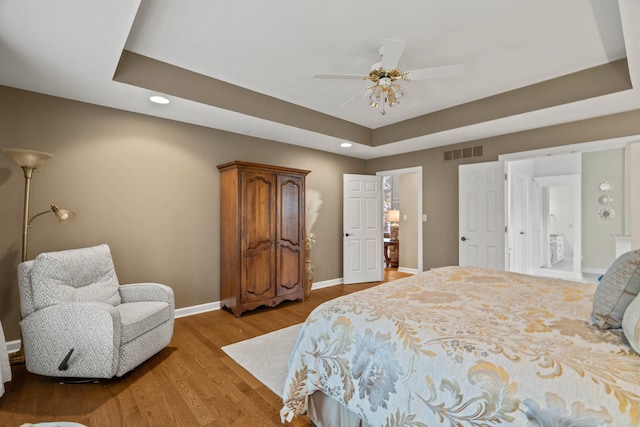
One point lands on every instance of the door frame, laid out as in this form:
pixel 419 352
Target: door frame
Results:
pixel 518 262
pixel 419 218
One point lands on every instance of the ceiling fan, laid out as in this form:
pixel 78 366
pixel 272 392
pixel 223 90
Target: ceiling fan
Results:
pixel 385 73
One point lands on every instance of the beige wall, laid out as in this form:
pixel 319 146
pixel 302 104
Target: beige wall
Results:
pixel 408 228
pixel 598 243
pixel 148 187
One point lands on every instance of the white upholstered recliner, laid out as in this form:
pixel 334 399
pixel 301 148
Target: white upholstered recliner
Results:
pixel 72 300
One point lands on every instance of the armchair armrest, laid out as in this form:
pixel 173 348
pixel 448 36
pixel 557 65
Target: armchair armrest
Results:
pixel 137 292
pixel 92 329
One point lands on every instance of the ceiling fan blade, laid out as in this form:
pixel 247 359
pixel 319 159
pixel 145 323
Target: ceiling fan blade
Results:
pixel 339 76
pixel 435 72
pixel 357 97
pixel 391 53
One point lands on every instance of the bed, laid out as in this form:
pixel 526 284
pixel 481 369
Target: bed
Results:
pixel 463 346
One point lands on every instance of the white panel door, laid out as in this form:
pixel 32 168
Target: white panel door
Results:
pixel 481 215
pixel 362 224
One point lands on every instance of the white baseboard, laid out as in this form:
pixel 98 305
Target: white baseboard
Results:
pixel 594 270
pixel 197 309
pixel 327 283
pixel 13 346
pixel 408 270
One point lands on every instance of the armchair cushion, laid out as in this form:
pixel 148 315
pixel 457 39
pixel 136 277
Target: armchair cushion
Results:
pixel 64 277
pixel 138 318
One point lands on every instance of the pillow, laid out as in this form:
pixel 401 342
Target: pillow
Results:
pixel 616 290
pixel 631 324
pixel 76 275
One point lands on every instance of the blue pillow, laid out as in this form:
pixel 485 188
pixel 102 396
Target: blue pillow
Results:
pixel 616 290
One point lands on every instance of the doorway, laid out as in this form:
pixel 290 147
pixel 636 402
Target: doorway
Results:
pixel 545 216
pixel 599 219
pixel 409 205
pixel 557 218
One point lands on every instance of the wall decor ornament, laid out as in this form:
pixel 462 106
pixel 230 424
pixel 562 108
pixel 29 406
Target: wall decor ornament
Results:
pixel 605 199
pixel 605 186
pixel 606 213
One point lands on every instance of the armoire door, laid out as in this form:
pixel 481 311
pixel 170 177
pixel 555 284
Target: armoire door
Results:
pixel 291 242
pixel 258 259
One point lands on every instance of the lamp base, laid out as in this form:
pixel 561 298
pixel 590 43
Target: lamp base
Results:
pixel 16 358
pixel 394 233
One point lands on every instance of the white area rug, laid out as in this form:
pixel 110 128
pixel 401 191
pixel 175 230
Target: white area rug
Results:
pixel 266 357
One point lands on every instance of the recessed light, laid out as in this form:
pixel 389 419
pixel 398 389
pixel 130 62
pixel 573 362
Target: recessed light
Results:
pixel 345 145
pixel 159 99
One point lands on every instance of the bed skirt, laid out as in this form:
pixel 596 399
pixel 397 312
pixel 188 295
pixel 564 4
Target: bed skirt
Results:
pixel 324 411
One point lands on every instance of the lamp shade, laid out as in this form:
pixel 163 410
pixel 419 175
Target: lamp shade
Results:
pixel 393 215
pixel 63 215
pixel 27 158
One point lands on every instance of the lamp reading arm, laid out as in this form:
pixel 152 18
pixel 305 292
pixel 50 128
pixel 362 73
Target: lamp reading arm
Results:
pixel 63 215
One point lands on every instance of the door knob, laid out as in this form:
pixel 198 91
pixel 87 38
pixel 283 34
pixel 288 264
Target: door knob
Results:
pixel 348 234
pixel 464 239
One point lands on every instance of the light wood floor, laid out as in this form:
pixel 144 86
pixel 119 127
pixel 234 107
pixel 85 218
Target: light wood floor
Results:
pixel 192 382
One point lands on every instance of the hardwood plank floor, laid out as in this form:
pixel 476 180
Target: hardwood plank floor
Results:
pixel 192 382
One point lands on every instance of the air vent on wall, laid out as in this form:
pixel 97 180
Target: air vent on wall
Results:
pixel 463 153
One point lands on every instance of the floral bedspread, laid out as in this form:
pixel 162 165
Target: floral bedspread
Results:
pixel 465 346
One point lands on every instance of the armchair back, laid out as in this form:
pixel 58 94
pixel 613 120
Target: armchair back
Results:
pixel 76 275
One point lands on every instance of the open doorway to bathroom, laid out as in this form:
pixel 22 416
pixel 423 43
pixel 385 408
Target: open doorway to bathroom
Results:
pixel 544 216
pixel 567 210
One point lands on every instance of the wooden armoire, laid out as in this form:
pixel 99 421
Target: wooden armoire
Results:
pixel 262 235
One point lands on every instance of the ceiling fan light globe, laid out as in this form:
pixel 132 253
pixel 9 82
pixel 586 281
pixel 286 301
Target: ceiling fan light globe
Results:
pixel 397 92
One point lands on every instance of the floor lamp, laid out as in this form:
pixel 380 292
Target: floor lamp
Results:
pixel 30 161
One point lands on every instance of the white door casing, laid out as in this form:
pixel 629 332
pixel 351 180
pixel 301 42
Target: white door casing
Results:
pixel 362 228
pixel 518 228
pixel 481 215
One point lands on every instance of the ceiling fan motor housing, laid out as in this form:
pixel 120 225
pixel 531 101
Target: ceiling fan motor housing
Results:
pixel 378 74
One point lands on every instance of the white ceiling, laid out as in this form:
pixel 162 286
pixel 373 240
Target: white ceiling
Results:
pixel 71 48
